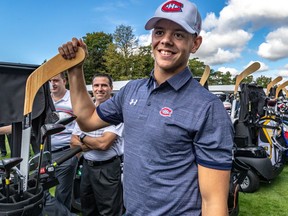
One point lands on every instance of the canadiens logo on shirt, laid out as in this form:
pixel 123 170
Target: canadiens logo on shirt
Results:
pixel 166 112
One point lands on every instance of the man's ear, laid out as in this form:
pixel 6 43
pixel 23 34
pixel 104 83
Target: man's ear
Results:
pixel 197 43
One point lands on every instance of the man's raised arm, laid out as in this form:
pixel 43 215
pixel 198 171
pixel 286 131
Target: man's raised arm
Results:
pixel 82 104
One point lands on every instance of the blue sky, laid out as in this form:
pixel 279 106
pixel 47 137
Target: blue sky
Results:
pixel 235 33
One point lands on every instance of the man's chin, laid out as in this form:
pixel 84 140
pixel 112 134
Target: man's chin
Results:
pixel 100 99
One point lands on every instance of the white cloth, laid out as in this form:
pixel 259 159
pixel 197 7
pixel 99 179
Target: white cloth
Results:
pixel 63 138
pixel 117 147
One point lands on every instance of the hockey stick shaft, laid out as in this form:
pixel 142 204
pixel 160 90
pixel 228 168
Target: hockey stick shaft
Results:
pixel 205 75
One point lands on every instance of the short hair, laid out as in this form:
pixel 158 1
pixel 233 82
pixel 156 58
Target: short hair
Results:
pixel 104 75
pixel 63 75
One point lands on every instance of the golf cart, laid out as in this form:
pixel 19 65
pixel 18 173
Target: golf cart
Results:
pixel 254 141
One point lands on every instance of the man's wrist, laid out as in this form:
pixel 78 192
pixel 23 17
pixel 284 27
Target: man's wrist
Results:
pixel 81 137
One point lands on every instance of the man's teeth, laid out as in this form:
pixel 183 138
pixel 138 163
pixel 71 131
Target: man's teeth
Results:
pixel 166 53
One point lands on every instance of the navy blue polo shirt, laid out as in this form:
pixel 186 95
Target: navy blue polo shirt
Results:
pixel 168 130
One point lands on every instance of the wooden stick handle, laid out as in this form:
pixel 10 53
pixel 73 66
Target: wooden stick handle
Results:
pixel 205 75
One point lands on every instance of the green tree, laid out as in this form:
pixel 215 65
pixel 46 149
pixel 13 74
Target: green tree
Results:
pixel 124 59
pixel 142 62
pixel 97 43
pixel 248 79
pixel 197 67
pixel 126 44
pixel 263 81
pixel 125 40
pixel 227 78
pixel 220 78
pixel 215 78
pixel 113 62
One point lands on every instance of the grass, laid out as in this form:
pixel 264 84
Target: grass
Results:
pixel 270 199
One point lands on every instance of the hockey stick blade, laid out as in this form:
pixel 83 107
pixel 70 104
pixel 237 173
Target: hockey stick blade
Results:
pixel 205 75
pixel 283 85
pixel 272 83
pixel 249 70
pixel 42 74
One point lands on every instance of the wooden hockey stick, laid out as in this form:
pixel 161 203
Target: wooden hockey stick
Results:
pixel 205 75
pixel 278 89
pixel 249 70
pixel 272 83
pixel 37 78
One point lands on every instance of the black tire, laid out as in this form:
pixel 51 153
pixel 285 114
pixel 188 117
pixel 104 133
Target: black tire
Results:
pixel 251 182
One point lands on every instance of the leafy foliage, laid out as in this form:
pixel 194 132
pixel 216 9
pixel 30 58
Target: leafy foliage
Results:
pixel 124 59
pixel 125 40
pixel 263 81
pixel 97 44
pixel 197 67
pixel 114 62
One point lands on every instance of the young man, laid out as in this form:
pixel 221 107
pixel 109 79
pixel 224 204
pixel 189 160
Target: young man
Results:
pixel 101 188
pixel 60 142
pixel 178 136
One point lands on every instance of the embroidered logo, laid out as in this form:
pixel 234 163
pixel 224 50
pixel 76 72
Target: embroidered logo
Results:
pixel 133 102
pixel 166 112
pixel 172 6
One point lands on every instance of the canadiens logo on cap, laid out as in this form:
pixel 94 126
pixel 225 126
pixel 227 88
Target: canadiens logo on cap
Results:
pixel 182 12
pixel 172 6
pixel 166 112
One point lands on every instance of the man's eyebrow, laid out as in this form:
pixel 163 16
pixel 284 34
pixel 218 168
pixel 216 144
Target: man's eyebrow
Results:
pixel 101 84
pixel 178 29
pixel 158 27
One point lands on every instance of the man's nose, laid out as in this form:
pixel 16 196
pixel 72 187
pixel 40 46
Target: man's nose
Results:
pixel 100 87
pixel 167 38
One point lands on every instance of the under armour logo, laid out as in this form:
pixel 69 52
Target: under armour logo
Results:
pixel 133 102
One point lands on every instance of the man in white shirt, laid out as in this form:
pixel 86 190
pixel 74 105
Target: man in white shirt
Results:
pixel 60 142
pixel 101 187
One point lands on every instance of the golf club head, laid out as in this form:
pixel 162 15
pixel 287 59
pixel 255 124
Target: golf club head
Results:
pixel 8 163
pixel 52 118
pixel 49 129
pixel 65 118
pixel 17 171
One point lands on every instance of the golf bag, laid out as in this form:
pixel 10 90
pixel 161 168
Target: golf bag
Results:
pixel 12 93
pixel 252 101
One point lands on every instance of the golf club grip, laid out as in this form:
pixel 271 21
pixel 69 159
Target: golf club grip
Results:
pixel 68 155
